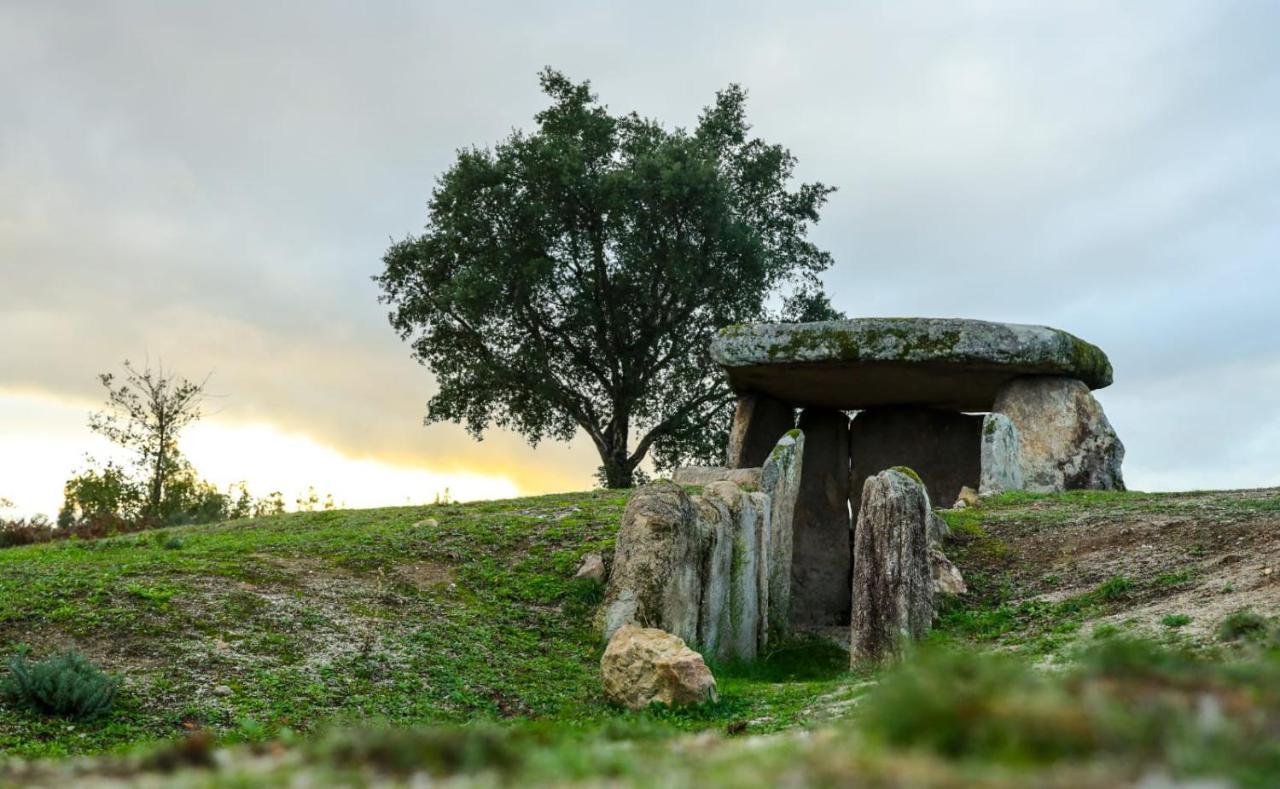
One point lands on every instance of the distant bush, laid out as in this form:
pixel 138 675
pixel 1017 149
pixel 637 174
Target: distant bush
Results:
pixel 66 685
pixel 1243 626
pixel 25 531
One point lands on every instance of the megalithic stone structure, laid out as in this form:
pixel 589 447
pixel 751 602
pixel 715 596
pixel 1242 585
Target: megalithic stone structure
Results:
pixel 965 403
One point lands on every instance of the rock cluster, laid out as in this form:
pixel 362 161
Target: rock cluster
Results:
pixel 709 568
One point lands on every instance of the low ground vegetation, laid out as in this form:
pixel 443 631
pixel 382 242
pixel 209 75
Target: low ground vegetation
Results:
pixel 459 630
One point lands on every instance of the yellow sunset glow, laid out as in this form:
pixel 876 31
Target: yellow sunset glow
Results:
pixel 44 440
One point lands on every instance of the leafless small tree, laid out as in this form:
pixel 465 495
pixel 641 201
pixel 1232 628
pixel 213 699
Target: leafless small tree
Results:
pixel 146 411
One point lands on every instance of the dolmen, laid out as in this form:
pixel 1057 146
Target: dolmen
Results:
pixel 952 403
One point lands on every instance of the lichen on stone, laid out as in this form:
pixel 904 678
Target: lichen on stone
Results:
pixel 909 472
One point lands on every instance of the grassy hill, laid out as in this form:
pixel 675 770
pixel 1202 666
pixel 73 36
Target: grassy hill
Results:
pixel 295 629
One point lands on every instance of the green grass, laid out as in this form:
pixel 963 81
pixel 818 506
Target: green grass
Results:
pixel 312 618
pixel 947 717
pixel 453 639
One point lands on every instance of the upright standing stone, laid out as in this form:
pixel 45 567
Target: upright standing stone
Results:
pixel 1001 462
pixel 741 596
pixel 941 446
pixel 657 565
pixel 1065 441
pixel 780 481
pixel 717 570
pixel 892 575
pixel 821 559
pixel 758 422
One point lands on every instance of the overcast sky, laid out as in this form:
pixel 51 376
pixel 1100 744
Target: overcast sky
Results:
pixel 214 187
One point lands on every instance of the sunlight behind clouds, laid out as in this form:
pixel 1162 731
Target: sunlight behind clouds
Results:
pixel 45 440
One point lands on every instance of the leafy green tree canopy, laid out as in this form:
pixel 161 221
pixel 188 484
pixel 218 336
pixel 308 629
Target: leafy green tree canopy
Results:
pixel 572 278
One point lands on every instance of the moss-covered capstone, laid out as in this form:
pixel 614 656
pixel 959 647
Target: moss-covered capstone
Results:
pixel 866 362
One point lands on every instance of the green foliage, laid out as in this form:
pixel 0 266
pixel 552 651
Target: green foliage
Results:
pixel 1243 626
pixel 105 491
pixel 1124 698
pixel 572 278
pixel 67 685
pixel 963 705
pixel 1175 620
pixel 1115 588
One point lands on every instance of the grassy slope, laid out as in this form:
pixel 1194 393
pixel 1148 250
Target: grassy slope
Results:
pixel 313 617
pixel 320 616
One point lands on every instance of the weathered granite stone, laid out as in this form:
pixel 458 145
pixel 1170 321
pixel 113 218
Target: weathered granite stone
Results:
pixel 892 575
pixel 657 564
pixel 938 528
pixel 780 481
pixel 747 516
pixel 644 665
pixel 967 497
pixel 942 447
pixel 695 566
pixel 822 561
pixel 758 422
pixel 1000 463
pixel 946 576
pixel 591 568
pixel 717 571
pixel 871 362
pixel 705 475
pixel 1065 441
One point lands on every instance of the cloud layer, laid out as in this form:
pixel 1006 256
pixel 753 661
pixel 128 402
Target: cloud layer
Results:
pixel 215 187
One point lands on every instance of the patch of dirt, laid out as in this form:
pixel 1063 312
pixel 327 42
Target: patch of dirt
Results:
pixel 1201 556
pixel 426 575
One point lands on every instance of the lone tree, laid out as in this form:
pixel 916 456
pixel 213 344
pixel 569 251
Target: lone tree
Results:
pixel 572 278
pixel 146 410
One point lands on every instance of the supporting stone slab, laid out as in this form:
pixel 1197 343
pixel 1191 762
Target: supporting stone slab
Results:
pixel 758 423
pixel 1001 461
pixel 822 558
pixel 1065 441
pixel 780 481
pixel 943 447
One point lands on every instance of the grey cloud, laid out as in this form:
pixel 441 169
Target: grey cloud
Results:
pixel 233 172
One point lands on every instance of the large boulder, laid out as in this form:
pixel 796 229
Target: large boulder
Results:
pixel 657 573
pixel 780 481
pixel 758 422
pixel 1001 463
pixel 821 560
pixel 646 665
pixel 892 572
pixel 1065 441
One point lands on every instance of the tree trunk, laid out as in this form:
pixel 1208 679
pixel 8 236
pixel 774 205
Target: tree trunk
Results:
pixel 617 465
